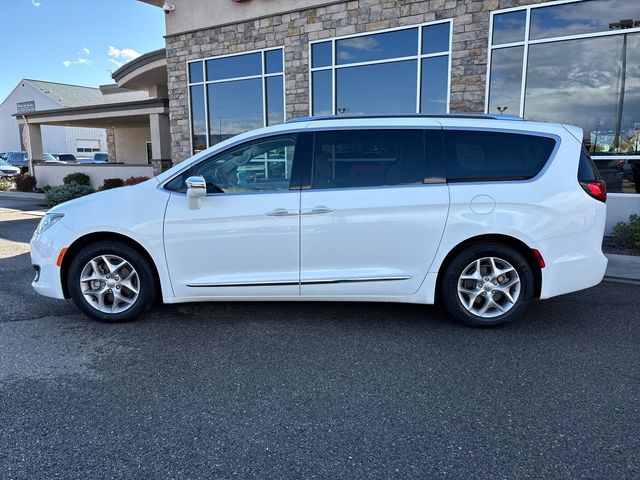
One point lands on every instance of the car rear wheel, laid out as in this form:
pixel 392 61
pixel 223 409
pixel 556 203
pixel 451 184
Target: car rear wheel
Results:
pixel 487 284
pixel 111 282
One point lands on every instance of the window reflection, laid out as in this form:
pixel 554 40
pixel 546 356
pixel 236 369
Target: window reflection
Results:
pixel 273 61
pixel 365 48
pixel 196 74
pixel 275 96
pixel 582 17
pixel 435 80
pixel 505 80
pixel 392 85
pixel 509 27
pixel 435 38
pixel 244 65
pixel 234 107
pixel 198 119
pixel 322 91
pixel 321 54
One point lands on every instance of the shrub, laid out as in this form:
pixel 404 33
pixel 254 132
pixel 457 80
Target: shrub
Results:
pixel 5 184
pixel 629 232
pixel 63 193
pixel 135 180
pixel 110 183
pixel 77 177
pixel 25 183
pixel 46 188
pixel 24 170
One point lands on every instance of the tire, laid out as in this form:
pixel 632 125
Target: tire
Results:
pixel 132 294
pixel 510 292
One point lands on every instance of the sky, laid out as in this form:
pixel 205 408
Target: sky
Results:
pixel 74 41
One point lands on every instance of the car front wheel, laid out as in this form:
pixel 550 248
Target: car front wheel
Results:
pixel 111 282
pixel 487 284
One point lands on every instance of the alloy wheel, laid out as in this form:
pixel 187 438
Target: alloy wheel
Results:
pixel 489 287
pixel 110 284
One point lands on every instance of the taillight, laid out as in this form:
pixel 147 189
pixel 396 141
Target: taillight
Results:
pixel 596 188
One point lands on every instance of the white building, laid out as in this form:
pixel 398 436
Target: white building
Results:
pixel 31 95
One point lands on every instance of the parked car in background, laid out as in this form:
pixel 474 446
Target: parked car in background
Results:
pixel 98 157
pixel 65 157
pixel 17 159
pixel 484 213
pixel 49 159
pixel 7 170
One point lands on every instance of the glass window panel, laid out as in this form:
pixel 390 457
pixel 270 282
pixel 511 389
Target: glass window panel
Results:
pixel 234 107
pixel 196 73
pixel 377 89
pixel 198 119
pixel 581 17
pixel 232 67
pixel 365 48
pixel 365 158
pixel 275 100
pixel 509 27
pixel 273 61
pixel 492 155
pixel 321 54
pixel 505 80
pixel 568 83
pixel 322 91
pixel 259 165
pixel 435 38
pixel 435 80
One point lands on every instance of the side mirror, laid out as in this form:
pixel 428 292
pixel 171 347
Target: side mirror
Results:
pixel 196 190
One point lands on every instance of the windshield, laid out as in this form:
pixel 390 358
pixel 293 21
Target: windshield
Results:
pixel 3 163
pixel 47 157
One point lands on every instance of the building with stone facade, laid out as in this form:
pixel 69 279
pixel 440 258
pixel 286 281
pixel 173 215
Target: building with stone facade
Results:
pixel 236 65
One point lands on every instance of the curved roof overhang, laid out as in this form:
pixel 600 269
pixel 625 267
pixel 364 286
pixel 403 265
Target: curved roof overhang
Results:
pixel 144 72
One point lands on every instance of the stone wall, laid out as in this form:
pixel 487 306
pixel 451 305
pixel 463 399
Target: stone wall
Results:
pixel 294 31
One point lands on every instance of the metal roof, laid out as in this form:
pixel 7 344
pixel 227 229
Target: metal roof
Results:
pixel 477 116
pixel 67 95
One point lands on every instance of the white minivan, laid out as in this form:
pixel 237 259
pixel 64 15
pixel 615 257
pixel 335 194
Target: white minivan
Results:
pixel 484 213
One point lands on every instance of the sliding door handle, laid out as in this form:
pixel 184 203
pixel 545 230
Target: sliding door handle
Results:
pixel 317 210
pixel 282 212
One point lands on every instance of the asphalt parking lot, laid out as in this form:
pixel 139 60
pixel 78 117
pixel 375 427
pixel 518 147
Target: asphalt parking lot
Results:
pixel 310 390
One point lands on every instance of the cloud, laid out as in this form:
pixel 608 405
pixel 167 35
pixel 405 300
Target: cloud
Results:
pixel 79 61
pixel 35 3
pixel 125 54
pixel 86 51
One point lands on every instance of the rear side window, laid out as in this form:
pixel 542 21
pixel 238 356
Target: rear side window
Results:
pixel 587 171
pixel 367 158
pixel 483 155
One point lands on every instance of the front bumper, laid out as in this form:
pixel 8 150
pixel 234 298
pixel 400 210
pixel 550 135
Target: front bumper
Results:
pixel 45 248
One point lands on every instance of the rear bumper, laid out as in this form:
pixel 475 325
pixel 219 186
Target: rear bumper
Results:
pixel 573 263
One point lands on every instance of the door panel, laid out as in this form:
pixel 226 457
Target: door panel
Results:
pixel 244 240
pixel 370 225
pixel 232 246
pixel 371 235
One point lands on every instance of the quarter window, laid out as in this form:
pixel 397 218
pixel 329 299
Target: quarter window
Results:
pixel 476 156
pixel 233 94
pixel 367 158
pixel 400 71
pixel 257 166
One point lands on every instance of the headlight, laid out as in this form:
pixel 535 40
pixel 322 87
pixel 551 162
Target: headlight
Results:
pixel 49 220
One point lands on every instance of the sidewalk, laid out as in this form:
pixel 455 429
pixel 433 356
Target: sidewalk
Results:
pixel 22 195
pixel 623 268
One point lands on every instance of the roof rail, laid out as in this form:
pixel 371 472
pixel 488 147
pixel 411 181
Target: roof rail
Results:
pixel 477 116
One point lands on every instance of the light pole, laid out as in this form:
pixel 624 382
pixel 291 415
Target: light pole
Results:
pixel 621 25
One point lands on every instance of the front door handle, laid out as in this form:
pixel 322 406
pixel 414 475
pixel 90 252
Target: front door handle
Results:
pixel 317 210
pixel 281 212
